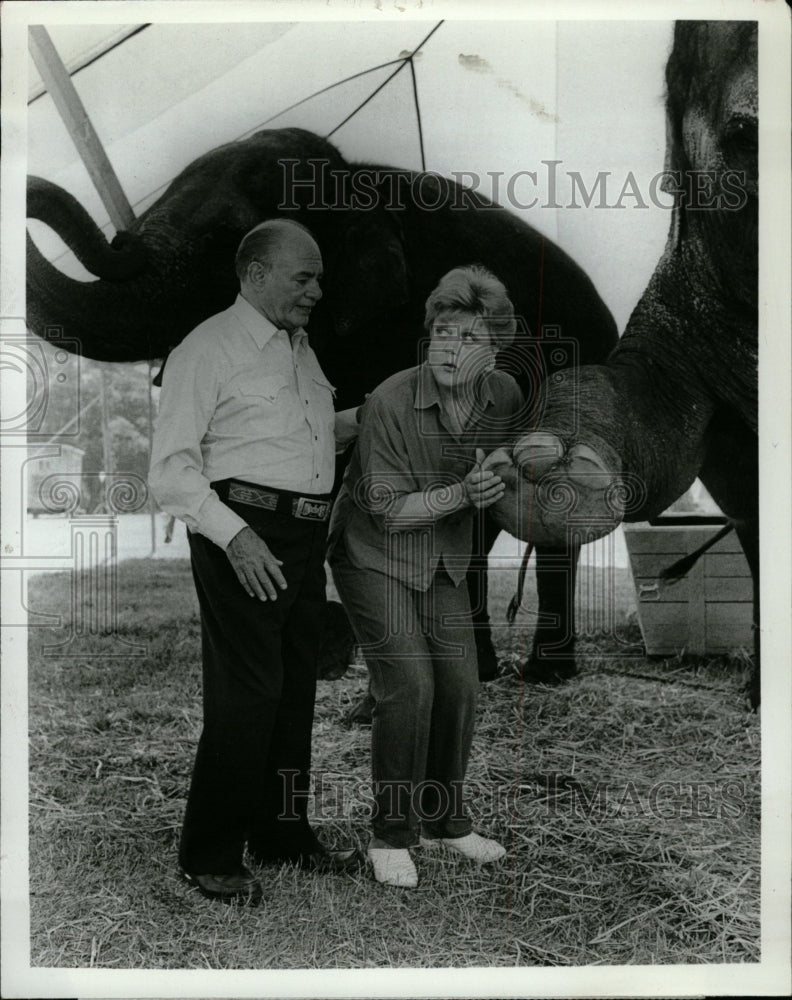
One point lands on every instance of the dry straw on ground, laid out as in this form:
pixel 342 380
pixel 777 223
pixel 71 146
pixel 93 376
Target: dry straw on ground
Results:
pixel 629 806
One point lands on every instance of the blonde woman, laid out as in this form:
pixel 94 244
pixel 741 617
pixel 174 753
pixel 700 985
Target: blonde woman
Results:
pixel 400 548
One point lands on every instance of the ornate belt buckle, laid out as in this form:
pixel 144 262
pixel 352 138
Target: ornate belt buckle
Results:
pixel 310 510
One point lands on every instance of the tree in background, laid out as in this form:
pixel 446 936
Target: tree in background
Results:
pixel 127 388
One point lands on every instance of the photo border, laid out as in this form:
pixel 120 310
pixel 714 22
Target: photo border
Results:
pixel 772 975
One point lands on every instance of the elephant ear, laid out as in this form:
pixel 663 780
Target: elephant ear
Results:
pixel 370 275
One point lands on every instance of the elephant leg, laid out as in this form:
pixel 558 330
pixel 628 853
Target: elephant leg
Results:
pixel 335 654
pixel 748 533
pixel 485 531
pixel 552 659
pixel 360 713
pixel 731 474
pixel 338 644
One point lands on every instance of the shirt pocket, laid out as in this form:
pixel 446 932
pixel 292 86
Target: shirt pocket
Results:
pixel 320 380
pixel 266 386
pixel 267 400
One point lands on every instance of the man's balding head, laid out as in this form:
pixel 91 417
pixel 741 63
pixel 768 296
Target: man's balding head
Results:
pixel 279 267
pixel 263 242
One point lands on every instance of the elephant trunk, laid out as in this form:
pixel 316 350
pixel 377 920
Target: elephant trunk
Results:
pixel 126 315
pixel 105 320
pixel 122 259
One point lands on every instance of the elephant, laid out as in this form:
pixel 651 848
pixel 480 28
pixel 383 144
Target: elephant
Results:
pixel 386 235
pixel 678 396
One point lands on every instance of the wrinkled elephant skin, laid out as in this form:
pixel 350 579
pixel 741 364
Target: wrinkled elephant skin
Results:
pixel 678 397
pixel 684 374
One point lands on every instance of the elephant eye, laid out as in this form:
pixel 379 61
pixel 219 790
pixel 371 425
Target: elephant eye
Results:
pixel 741 135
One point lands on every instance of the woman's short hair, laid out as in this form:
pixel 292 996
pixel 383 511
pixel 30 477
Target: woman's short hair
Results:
pixel 474 290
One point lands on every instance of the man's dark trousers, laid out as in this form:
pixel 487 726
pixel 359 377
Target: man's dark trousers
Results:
pixel 259 687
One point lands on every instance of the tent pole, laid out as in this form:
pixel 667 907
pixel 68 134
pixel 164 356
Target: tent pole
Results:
pixel 59 84
pixel 89 147
pixel 152 517
pixel 107 443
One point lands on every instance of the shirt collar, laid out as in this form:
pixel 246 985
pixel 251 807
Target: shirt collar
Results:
pixel 257 325
pixel 427 393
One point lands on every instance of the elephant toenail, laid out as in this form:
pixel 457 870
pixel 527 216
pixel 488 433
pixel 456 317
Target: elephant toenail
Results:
pixel 537 452
pixel 588 468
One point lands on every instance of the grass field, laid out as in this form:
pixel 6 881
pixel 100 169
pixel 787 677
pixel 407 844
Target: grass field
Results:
pixel 628 800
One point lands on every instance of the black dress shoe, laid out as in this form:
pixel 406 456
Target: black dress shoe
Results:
pixel 242 887
pixel 340 861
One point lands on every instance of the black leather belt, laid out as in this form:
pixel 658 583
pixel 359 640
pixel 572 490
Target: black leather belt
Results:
pixel 306 508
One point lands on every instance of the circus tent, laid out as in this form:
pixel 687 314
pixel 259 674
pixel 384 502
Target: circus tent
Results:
pixel 517 109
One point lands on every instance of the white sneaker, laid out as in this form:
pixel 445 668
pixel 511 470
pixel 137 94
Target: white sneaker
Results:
pixel 480 849
pixel 393 866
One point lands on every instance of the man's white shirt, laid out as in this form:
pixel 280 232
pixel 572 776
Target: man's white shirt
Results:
pixel 240 400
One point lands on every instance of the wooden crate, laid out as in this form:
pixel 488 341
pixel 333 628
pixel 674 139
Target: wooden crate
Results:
pixel 708 611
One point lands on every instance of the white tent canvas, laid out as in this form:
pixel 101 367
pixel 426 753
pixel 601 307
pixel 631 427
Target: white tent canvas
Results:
pixel 499 100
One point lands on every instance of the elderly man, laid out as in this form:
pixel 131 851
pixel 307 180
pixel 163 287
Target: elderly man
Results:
pixel 244 454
